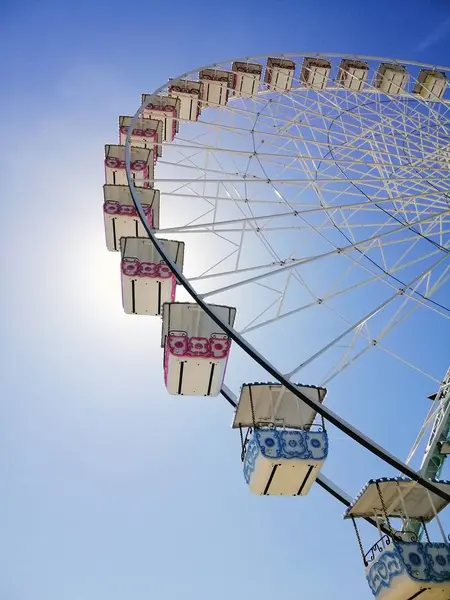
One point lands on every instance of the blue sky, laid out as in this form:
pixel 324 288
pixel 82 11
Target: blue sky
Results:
pixel 110 488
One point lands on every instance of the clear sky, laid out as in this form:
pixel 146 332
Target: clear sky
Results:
pixel 111 489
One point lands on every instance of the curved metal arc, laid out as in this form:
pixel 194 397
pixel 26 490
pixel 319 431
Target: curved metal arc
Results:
pixel 324 411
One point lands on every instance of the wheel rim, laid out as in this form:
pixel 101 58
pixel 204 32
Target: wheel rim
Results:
pixel 421 222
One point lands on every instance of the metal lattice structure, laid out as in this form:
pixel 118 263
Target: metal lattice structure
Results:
pixel 290 190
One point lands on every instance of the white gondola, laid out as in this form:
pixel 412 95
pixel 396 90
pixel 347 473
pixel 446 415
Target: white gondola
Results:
pixel 167 110
pixel 352 74
pixel 120 216
pixel 196 350
pixel 246 78
pixel 216 87
pixel 315 72
pixel 142 166
pixel 147 281
pixel 279 74
pixel 283 450
pixel 444 448
pixel 391 78
pixel 148 133
pixel 188 92
pixel 431 84
pixel 399 566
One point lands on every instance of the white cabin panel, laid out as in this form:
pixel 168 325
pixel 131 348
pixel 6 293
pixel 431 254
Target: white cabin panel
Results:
pixel 121 218
pixel 431 84
pixel 246 79
pixel 315 73
pixel 352 74
pixel 192 376
pixel 145 293
pixel 196 350
pixel 279 74
pixel 284 462
pixel 391 78
pixel 117 226
pixel 147 281
pixel 141 167
pixel 189 93
pixel 165 109
pixel 147 133
pixel 215 87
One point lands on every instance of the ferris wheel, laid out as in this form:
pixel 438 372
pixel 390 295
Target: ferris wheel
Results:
pixel 285 217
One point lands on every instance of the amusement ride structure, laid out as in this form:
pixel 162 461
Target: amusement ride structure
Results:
pixel 262 155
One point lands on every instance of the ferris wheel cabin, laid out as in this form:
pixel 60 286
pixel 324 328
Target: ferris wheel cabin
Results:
pixel 215 88
pixel 391 78
pixel 283 450
pixel 315 73
pixel 352 74
pixel 430 84
pixel 399 566
pixel 165 109
pixel 246 78
pixel 141 167
pixel 188 93
pixel 196 350
pixel 147 281
pixel 121 217
pixel 148 133
pixel 279 74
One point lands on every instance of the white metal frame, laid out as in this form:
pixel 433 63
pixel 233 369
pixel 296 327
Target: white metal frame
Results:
pixel 418 213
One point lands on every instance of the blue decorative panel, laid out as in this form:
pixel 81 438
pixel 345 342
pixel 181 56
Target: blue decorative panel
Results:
pixel 251 455
pixel 297 444
pixel 387 566
pixel 438 556
pixel 428 563
pixel 415 560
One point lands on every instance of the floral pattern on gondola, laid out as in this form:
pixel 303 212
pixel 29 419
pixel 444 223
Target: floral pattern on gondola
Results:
pixel 291 443
pixel 168 111
pixel 127 210
pixel 148 212
pixel 138 168
pixel 422 562
pixel 143 133
pixel 383 571
pixel 111 208
pixel 130 267
pixel 251 454
pixel 185 87
pixel 439 560
pixel 200 347
pixel 146 269
pixel 178 344
pixel 220 345
pixel 115 163
pixel 144 136
pixel 414 560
